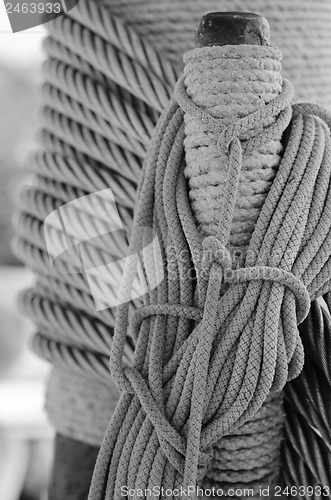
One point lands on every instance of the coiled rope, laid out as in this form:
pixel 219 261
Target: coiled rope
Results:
pixel 230 84
pixel 97 125
pixel 187 390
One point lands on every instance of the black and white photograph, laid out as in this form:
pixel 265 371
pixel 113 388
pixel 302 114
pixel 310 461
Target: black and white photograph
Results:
pixel 165 249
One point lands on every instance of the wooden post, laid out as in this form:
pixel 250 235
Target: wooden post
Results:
pixel 232 28
pixel 72 470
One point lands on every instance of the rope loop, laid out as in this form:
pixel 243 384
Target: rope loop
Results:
pixel 173 444
pixel 215 252
pixel 275 275
pixel 190 454
pixel 280 108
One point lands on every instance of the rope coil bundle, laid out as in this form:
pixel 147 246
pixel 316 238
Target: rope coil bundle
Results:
pixel 187 390
pixel 97 127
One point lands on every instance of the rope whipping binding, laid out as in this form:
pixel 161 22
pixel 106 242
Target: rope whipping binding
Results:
pixel 72 165
pixel 187 390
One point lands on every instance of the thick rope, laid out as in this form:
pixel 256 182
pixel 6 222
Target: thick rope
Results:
pixel 96 113
pixel 185 391
pixel 300 28
pixel 307 444
pixel 230 83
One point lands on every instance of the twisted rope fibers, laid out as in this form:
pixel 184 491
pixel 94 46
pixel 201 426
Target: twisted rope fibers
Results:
pixel 58 123
pixel 300 28
pixel 68 169
pixel 184 392
pixel 95 111
pixel 307 443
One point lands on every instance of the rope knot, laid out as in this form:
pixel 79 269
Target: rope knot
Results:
pixel 236 133
pixel 276 275
pixel 215 252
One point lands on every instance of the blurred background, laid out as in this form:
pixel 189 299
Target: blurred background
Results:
pixel 25 434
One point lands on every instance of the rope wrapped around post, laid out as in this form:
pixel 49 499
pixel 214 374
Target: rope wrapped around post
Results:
pixel 230 84
pixel 97 126
pixel 206 361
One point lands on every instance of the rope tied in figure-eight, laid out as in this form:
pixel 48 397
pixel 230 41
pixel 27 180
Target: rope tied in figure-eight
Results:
pixel 210 351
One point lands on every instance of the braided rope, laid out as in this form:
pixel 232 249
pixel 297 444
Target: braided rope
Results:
pixel 183 393
pixel 231 83
pixel 83 71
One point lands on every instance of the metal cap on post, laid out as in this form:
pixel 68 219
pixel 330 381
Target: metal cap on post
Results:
pixel 232 28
